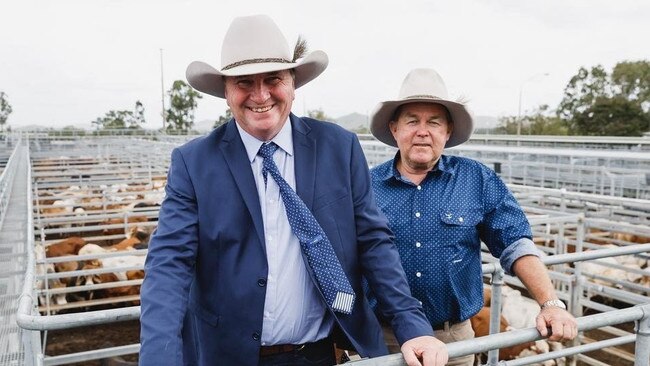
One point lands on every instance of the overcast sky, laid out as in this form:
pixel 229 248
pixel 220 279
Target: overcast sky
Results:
pixel 67 62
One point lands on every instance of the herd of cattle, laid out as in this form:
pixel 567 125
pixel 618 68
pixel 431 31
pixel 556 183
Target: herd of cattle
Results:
pixel 91 244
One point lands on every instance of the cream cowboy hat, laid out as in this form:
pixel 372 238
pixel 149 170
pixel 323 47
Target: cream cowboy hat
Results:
pixel 422 86
pixel 254 45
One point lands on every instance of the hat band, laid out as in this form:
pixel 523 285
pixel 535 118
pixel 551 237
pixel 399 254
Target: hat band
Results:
pixel 423 96
pixel 255 61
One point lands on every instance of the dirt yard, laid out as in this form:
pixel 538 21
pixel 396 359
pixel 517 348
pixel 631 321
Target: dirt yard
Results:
pixel 67 341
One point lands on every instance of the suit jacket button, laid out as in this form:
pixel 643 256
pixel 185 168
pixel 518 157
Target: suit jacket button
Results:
pixel 256 336
pixel 261 282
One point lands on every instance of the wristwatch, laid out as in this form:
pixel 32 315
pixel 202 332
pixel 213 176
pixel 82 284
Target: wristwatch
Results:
pixel 554 303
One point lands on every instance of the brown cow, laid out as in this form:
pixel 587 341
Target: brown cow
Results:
pixel 69 246
pixel 481 325
pixel 116 231
pixel 66 247
pixel 136 236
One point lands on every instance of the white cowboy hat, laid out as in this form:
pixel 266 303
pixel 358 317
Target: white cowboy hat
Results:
pixel 254 45
pixel 422 86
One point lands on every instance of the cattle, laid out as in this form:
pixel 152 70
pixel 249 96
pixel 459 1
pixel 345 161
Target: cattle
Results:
pixel 481 325
pixel 115 264
pixel 69 246
pixel 520 312
pixel 607 275
pixel 129 220
pixel 114 291
pixel 136 239
pixel 52 283
pixel 59 207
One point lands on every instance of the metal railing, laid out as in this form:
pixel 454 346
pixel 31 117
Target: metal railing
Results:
pixel 613 173
pixel 495 340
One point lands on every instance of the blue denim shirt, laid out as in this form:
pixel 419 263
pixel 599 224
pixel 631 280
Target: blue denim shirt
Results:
pixel 439 226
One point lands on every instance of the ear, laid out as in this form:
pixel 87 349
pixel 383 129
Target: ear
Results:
pixel 392 126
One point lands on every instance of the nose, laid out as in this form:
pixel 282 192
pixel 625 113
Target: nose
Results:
pixel 260 93
pixel 422 129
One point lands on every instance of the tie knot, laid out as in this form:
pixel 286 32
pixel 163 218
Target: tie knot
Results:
pixel 267 150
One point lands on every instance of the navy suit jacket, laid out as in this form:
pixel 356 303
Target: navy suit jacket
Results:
pixel 203 294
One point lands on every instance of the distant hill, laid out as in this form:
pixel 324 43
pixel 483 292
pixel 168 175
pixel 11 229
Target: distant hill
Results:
pixel 353 121
pixel 30 128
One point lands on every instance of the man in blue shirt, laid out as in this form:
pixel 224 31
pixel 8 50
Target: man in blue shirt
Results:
pixel 441 207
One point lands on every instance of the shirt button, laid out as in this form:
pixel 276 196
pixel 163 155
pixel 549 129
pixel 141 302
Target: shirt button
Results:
pixel 256 336
pixel 261 282
pixel 271 201
pixel 270 238
pixel 417 244
pixel 417 214
pixel 418 274
pixel 419 188
pixel 420 303
pixel 460 219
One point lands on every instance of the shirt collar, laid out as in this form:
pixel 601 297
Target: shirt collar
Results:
pixel 252 144
pixel 442 166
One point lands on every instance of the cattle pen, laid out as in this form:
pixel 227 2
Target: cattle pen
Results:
pixel 588 204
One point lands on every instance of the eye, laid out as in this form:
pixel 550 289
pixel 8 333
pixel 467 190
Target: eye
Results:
pixel 273 80
pixel 436 121
pixel 244 83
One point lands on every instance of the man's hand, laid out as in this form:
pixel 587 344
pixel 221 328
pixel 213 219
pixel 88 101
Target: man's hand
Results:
pixel 563 325
pixel 429 349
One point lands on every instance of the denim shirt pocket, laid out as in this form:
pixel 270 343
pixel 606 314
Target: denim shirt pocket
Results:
pixel 461 218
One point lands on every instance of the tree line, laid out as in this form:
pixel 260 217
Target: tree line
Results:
pixel 178 118
pixel 595 103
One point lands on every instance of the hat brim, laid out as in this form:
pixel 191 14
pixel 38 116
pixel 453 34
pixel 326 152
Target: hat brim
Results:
pixel 209 80
pixel 463 125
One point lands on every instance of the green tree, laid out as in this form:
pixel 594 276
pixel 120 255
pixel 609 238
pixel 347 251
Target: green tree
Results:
pixel 123 119
pixel 632 80
pixel 183 102
pixel 319 115
pixel 615 116
pixel 138 116
pixel 541 122
pixel 223 119
pixel 5 110
pixel 582 90
pixel 596 102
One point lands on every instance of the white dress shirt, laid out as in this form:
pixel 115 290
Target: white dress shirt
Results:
pixel 294 312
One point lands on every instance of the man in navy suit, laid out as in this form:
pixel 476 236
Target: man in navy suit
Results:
pixel 228 282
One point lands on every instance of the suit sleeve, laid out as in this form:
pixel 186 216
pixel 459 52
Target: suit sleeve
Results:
pixel 379 258
pixel 169 270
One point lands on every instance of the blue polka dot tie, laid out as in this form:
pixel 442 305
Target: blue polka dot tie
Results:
pixel 314 243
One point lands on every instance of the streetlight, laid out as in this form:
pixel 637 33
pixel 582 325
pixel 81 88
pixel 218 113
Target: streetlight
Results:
pixel 521 91
pixel 162 89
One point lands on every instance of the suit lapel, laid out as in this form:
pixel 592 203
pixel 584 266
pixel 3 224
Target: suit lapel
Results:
pixel 304 159
pixel 235 154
